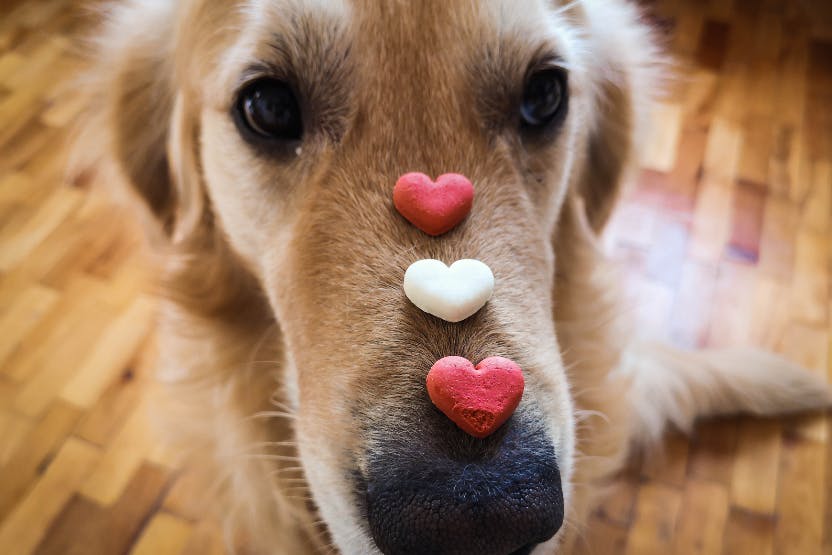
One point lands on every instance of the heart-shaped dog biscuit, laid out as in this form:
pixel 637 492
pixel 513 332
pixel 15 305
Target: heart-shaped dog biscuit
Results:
pixel 478 399
pixel 435 208
pixel 452 294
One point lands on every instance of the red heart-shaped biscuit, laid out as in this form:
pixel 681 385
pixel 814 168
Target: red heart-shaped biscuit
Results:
pixel 478 399
pixel 435 208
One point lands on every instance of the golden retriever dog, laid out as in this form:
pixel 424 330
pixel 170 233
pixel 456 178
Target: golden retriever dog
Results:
pixel 264 137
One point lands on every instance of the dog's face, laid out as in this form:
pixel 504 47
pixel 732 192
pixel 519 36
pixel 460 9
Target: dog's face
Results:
pixel 368 91
pixel 305 113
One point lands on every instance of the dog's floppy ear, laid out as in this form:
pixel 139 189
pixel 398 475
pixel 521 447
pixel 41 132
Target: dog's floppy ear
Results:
pixel 626 65
pixel 134 106
pixel 609 153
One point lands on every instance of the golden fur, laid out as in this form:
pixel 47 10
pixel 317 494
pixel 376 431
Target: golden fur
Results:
pixel 286 341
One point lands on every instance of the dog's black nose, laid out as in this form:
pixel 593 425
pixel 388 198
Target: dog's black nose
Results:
pixel 497 496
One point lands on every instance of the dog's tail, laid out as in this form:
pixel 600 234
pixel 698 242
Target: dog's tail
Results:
pixel 675 386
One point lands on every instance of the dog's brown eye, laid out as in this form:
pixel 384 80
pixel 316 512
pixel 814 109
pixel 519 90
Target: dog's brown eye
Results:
pixel 268 108
pixel 544 98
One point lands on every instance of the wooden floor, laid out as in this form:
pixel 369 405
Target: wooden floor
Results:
pixel 726 241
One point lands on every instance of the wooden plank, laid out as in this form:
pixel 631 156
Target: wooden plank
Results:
pixel 122 456
pixel 818 206
pixel 19 318
pixel 747 222
pixel 47 340
pixel 668 463
pixel 194 494
pixel 771 314
pixel 755 466
pixel 656 511
pixel 618 506
pixel 115 348
pixel 15 244
pixel 206 539
pixel 660 150
pixel 606 537
pixel 115 405
pixel 801 498
pixel 693 306
pixel 52 364
pixel 28 460
pixel 10 63
pixel 702 520
pixel 24 527
pixel 166 534
pixel 682 184
pixel 749 533
pixel 731 323
pixel 667 253
pixel 722 152
pixel 84 527
pixel 711 221
pixel 777 238
pixel 14 188
pixel 27 144
pixel 14 429
pixel 810 286
pixel 712 453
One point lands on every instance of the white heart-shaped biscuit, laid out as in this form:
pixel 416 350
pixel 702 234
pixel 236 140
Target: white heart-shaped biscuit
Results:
pixel 452 294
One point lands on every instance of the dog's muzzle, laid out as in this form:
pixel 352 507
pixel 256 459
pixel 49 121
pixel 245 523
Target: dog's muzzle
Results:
pixel 454 494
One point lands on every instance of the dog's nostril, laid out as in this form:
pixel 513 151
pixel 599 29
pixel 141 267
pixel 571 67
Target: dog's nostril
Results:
pixel 525 550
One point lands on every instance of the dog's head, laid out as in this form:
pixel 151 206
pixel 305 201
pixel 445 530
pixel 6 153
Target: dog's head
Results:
pixel 280 127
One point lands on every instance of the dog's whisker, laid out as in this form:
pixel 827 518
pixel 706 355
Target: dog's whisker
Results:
pixel 276 473
pixel 290 469
pixel 567 7
pixel 282 406
pixel 268 457
pixel 270 444
pixel 293 481
pixel 268 332
pixel 582 415
pixel 298 499
pixel 277 399
pixel 272 414
pixel 280 443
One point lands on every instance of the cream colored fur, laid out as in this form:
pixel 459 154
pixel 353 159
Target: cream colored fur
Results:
pixel 281 280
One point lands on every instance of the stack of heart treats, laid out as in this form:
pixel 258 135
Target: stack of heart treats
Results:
pixel 478 399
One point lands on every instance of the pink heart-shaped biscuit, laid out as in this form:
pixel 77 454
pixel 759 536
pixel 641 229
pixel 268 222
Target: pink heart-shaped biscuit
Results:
pixel 435 208
pixel 478 399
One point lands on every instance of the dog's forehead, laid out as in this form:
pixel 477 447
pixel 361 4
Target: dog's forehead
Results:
pixel 405 32
pixel 500 16
pixel 456 20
